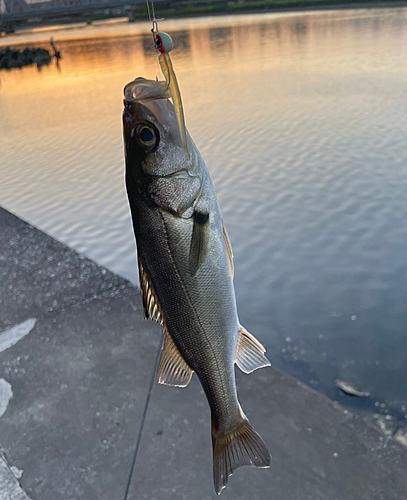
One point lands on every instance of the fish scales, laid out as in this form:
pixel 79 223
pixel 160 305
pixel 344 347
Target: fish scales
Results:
pixel 203 324
pixel 185 275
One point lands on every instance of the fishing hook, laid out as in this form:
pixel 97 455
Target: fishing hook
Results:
pixel 154 31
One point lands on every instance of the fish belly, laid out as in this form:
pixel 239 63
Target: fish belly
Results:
pixel 199 309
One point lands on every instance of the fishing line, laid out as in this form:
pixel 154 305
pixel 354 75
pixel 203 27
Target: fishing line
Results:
pixel 151 13
pixel 143 419
pixel 148 10
pixel 151 10
pixel 153 19
pixel 154 29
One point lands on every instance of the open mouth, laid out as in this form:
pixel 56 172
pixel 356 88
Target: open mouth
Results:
pixel 141 89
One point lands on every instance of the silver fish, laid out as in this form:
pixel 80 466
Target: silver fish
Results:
pixel 186 273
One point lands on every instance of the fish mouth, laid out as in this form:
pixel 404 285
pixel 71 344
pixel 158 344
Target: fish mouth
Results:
pixel 149 100
pixel 141 95
pixel 143 90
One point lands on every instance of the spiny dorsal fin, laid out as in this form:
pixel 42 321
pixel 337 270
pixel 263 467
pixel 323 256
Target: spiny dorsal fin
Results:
pixel 151 306
pixel 199 241
pixel 229 251
pixel 172 368
pixel 250 353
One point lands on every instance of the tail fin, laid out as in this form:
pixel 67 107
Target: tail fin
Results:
pixel 243 446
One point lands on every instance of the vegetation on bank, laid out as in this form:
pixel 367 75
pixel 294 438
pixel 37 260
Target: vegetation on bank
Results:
pixel 229 7
pixel 14 58
pixel 190 8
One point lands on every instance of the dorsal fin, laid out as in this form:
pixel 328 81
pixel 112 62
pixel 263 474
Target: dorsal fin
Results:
pixel 199 241
pixel 152 308
pixel 250 353
pixel 172 368
pixel 229 251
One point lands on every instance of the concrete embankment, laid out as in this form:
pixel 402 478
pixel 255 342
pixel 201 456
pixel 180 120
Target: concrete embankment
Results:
pixel 76 365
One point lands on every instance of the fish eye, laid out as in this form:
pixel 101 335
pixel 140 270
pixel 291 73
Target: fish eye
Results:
pixel 146 136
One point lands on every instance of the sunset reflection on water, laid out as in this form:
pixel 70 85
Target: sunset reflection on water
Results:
pixel 301 121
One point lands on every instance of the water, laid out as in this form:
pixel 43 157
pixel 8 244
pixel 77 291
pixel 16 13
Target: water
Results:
pixel 302 120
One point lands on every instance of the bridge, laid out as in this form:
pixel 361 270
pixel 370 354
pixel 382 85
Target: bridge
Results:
pixel 12 11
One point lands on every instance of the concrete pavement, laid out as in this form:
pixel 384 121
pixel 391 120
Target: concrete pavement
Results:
pixel 76 365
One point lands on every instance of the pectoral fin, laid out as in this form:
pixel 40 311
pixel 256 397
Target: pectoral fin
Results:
pixel 151 306
pixel 199 241
pixel 229 251
pixel 250 353
pixel 172 369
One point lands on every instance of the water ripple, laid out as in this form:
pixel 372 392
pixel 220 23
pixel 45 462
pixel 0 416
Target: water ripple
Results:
pixel 304 134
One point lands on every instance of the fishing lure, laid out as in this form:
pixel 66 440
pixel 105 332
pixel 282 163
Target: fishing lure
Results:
pixel 164 45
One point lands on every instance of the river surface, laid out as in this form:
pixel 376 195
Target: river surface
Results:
pixel 302 121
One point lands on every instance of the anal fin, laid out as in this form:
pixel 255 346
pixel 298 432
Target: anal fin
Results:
pixel 172 368
pixel 250 353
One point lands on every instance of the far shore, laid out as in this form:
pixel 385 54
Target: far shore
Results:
pixel 260 6
pixel 192 11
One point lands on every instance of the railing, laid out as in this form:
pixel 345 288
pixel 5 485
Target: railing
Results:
pixel 20 9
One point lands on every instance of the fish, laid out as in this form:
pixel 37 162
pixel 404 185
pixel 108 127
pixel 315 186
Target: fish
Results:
pixel 186 269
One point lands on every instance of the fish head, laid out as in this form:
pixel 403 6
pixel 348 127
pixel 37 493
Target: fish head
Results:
pixel 151 135
pixel 156 166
